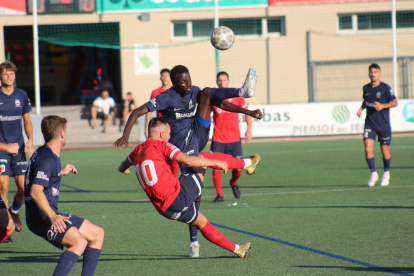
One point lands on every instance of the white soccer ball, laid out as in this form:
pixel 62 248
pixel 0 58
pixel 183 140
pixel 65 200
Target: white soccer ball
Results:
pixel 222 38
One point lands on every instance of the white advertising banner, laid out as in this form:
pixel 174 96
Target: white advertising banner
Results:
pixel 313 119
pixel 146 59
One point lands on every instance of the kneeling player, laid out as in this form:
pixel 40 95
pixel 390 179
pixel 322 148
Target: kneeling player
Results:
pixel 79 235
pixel 176 198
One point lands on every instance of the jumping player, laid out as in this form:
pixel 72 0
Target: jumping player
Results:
pixel 190 126
pixel 226 137
pixel 79 235
pixel 378 99
pixel 165 85
pixel 14 105
pixel 175 198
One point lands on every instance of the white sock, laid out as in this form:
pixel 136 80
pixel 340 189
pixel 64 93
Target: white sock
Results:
pixel 386 173
pixel 236 248
pixel 241 92
pixel 14 211
pixel 247 162
pixel 194 243
pixel 374 172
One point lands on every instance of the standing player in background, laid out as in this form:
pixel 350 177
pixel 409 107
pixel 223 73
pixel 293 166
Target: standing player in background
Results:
pixel 6 222
pixel 14 105
pixel 165 84
pixel 378 99
pixel 188 111
pixel 226 137
pixel 42 190
pixel 176 198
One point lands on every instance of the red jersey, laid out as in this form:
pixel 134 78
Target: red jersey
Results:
pixel 153 164
pixel 226 124
pixel 154 94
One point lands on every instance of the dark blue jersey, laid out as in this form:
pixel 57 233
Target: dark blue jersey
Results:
pixel 382 94
pixel 44 170
pixel 12 107
pixel 179 112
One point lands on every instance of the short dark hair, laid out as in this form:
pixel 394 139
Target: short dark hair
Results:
pixel 165 70
pixel 51 126
pixel 8 65
pixel 129 93
pixel 179 69
pixel 222 73
pixel 374 65
pixel 154 122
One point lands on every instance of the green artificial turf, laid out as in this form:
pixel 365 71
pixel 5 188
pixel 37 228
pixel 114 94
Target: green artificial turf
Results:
pixel 307 211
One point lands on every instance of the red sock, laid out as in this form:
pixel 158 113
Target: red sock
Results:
pixel 217 182
pixel 235 175
pixel 216 237
pixel 4 234
pixel 234 163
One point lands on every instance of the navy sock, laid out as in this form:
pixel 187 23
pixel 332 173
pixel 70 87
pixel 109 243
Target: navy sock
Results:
pixel 66 262
pixel 17 204
pixel 220 94
pixel 371 164
pixel 193 230
pixel 90 261
pixel 387 163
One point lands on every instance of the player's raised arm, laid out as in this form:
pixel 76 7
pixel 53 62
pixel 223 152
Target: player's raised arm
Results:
pixel 123 141
pixel 234 108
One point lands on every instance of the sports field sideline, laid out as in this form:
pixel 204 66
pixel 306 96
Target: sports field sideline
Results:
pixel 306 211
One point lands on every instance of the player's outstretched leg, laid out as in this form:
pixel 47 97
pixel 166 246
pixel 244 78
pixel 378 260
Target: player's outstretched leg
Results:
pixel 216 237
pixel 248 164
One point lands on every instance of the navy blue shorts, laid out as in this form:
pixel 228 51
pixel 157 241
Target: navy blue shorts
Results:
pixel 13 165
pixel 233 149
pixel 44 228
pixel 2 205
pixel 183 208
pixel 384 135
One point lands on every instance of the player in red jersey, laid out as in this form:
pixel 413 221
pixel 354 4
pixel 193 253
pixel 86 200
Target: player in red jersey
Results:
pixel 176 198
pixel 165 85
pixel 226 136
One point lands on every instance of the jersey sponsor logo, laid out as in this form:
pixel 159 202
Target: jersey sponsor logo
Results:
pixel 378 95
pixel 10 118
pixel 190 104
pixel 42 175
pixel 3 161
pixel 185 115
pixel 17 103
pixel 55 192
pixel 154 102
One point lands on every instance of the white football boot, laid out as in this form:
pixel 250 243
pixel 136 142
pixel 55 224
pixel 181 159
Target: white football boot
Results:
pixel 194 251
pixel 385 180
pixel 249 86
pixel 373 179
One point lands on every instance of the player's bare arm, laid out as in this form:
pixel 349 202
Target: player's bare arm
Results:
pixel 378 106
pixel 124 167
pixel 360 109
pixel 12 148
pixel 40 199
pixel 28 128
pixel 123 141
pixel 225 105
pixel 196 161
pixel 248 134
pixel 68 169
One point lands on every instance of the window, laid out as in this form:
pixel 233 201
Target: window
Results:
pixel 240 26
pixel 374 21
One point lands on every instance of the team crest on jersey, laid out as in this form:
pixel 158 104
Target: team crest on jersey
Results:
pixel 55 192
pixel 17 103
pixel 190 104
pixel 378 95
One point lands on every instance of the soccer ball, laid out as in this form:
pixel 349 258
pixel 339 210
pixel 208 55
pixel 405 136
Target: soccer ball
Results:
pixel 222 38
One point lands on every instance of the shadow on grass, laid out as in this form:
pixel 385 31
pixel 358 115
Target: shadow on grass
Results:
pixel 368 269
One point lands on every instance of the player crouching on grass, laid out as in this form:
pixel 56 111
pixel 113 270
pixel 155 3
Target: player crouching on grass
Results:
pixel 43 178
pixel 176 198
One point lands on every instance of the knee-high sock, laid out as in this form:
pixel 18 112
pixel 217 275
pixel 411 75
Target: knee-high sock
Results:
pixel 66 262
pixel 234 163
pixel 16 205
pixel 90 261
pixel 387 163
pixel 4 233
pixel 193 230
pixel 220 94
pixel 371 164
pixel 235 175
pixel 217 182
pixel 216 237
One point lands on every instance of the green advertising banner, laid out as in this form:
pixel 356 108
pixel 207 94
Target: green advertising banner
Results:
pixel 122 6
